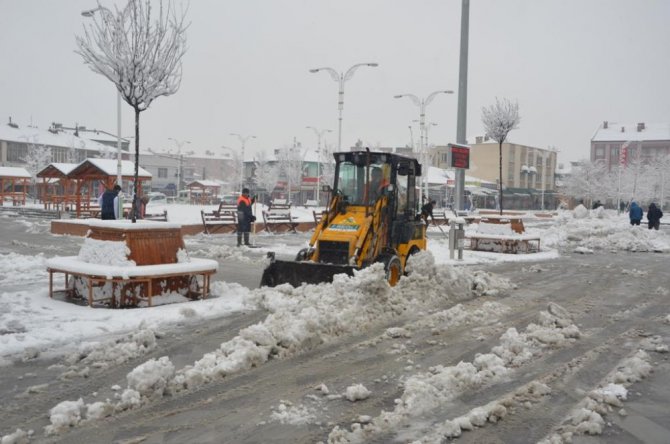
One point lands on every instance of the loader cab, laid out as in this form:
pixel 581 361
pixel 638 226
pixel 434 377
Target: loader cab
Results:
pixel 362 177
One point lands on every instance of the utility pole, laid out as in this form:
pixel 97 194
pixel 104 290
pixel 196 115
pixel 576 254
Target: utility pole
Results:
pixel 462 99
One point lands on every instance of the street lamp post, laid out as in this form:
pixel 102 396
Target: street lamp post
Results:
pixel 422 104
pixel 243 141
pixel 119 174
pixel 340 78
pixel 318 133
pixel 180 158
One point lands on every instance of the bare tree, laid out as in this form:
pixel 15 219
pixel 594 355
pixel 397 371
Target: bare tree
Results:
pixel 142 58
pixel 266 174
pixel 37 157
pixel 499 120
pixel 291 159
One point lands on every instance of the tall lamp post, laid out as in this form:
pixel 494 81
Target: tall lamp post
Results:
pixel 243 141
pixel 180 157
pixel 422 104
pixel 318 133
pixel 341 78
pixel 119 174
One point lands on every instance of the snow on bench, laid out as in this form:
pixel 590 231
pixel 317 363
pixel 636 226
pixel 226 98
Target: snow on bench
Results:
pixel 503 235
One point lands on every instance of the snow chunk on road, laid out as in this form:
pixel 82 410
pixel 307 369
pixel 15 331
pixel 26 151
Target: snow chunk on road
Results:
pixel 357 392
pixel 286 413
pixel 151 377
pixel 18 437
pixel 64 415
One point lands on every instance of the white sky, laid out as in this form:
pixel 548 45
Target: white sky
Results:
pixel 570 64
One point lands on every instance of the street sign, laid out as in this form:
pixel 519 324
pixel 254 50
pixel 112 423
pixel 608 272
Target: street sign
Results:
pixel 459 156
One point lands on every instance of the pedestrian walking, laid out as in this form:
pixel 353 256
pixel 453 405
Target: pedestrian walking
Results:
pixel 654 215
pixel 109 203
pixel 245 217
pixel 635 213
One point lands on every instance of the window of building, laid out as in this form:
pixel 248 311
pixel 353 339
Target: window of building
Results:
pixel 16 152
pixel 59 154
pixel 162 172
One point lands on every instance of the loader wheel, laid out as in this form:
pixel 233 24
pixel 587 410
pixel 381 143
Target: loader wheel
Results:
pixel 393 268
pixel 302 255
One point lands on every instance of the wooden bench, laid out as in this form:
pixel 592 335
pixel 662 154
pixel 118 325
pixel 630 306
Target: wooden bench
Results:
pixel 161 217
pixel 277 218
pixel 224 218
pixel 159 267
pixel 503 235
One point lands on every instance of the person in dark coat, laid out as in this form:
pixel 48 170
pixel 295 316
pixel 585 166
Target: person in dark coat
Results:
pixel 427 210
pixel 654 216
pixel 635 213
pixel 109 203
pixel 596 204
pixel 244 216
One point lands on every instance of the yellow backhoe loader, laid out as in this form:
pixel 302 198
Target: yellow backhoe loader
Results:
pixel 371 217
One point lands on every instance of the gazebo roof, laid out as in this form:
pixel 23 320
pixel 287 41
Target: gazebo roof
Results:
pixel 103 168
pixel 14 173
pixel 204 184
pixel 57 170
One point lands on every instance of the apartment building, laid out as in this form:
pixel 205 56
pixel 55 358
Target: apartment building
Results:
pixel 642 141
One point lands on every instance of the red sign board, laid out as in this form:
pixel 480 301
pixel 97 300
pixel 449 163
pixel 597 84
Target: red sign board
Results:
pixel 460 156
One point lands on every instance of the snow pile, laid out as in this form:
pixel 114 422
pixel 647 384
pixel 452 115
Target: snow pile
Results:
pixel 16 269
pixel 18 437
pixel 104 252
pixel 116 351
pixel 580 212
pixel 304 317
pixel 151 378
pixel 587 418
pixel 428 391
pixel 357 392
pixel 287 413
pixel 606 234
pixel 64 415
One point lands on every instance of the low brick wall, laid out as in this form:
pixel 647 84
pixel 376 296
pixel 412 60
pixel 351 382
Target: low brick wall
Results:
pixel 65 226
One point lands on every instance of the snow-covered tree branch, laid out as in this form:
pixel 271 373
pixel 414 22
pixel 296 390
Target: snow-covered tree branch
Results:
pixel 498 120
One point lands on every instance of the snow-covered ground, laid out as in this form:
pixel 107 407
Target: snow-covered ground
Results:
pixel 299 320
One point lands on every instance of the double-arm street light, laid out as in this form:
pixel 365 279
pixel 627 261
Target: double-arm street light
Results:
pixel 341 78
pixel 243 141
pixel 422 104
pixel 318 133
pixel 119 176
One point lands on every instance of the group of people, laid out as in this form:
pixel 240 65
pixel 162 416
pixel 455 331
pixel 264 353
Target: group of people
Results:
pixel 109 204
pixel 654 215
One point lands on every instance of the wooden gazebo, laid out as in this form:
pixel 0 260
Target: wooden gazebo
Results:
pixel 203 192
pixel 14 184
pixel 103 172
pixel 56 188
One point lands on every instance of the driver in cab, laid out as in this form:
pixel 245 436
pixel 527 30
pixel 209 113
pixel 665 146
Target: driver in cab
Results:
pixel 378 183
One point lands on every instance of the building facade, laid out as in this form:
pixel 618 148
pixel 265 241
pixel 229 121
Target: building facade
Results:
pixel 642 142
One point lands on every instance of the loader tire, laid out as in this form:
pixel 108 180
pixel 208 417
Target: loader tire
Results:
pixel 393 268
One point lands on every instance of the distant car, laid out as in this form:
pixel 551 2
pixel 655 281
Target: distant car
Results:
pixel 156 198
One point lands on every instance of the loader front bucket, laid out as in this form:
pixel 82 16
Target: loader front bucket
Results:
pixel 298 273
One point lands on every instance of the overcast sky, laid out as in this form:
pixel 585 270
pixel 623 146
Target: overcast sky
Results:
pixel 570 64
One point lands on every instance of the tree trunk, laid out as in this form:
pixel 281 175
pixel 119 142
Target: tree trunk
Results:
pixel 137 164
pixel 500 190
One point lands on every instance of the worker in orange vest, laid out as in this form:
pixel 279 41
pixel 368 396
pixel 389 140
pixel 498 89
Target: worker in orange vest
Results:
pixel 244 216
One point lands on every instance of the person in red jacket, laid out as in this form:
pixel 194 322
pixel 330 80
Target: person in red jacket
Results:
pixel 244 216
